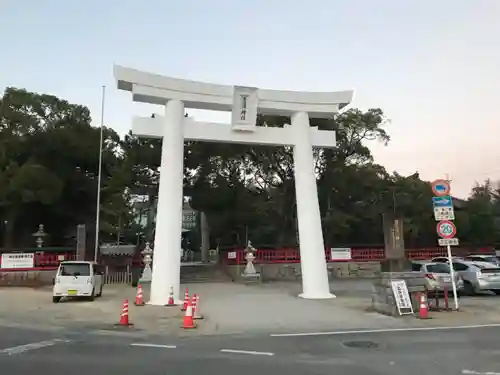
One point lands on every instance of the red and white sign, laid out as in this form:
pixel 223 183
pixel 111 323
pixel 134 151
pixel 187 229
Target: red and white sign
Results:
pixel 17 260
pixel 340 254
pixel 441 188
pixel 446 229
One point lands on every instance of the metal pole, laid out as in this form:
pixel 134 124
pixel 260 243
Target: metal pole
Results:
pixel 98 203
pixel 452 270
pixel 452 274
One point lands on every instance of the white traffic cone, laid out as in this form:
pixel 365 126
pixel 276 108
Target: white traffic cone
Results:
pixel 197 312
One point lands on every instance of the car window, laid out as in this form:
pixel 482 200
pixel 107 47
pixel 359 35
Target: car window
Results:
pixel 75 269
pixel 438 268
pixel 415 267
pixel 460 267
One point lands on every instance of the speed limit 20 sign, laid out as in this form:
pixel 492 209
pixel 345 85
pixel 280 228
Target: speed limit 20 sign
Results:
pixel 446 229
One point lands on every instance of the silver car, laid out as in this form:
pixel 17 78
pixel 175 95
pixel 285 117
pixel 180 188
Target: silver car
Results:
pixel 445 259
pixel 438 277
pixel 483 258
pixel 478 276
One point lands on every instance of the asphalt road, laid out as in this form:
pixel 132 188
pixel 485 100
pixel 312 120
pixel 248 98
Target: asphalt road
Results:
pixel 458 351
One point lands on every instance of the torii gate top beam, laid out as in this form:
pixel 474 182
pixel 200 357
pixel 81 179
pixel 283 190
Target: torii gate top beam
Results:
pixel 215 132
pixel 157 89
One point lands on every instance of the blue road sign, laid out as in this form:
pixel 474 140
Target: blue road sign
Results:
pixel 445 201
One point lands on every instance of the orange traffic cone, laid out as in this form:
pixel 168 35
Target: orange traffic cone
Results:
pixel 423 312
pixel 124 316
pixel 188 317
pixel 186 300
pixel 139 300
pixel 170 301
pixel 197 313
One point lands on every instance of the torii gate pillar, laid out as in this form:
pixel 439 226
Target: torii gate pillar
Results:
pixel 167 262
pixel 312 248
pixel 244 102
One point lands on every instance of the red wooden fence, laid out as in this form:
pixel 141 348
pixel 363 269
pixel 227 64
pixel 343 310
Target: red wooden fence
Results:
pixel 289 255
pixel 237 256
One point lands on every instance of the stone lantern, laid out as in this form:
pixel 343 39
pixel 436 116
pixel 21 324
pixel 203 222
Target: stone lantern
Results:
pixel 40 235
pixel 249 271
pixel 147 258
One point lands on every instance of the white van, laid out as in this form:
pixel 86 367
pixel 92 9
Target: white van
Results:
pixel 78 279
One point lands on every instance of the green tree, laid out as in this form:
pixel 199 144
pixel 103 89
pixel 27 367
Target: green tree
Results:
pixel 481 215
pixel 48 165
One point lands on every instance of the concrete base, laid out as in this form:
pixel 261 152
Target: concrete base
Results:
pixel 27 278
pixel 317 296
pixel 152 303
pixel 251 278
pixel 383 300
pixel 395 265
pixel 292 271
pixel 147 274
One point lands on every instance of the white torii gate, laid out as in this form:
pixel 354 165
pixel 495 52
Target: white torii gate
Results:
pixel 244 103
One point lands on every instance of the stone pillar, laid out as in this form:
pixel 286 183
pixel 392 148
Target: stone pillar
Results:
pixel 167 243
pixel 394 245
pixel 312 249
pixel 205 237
pixel 81 237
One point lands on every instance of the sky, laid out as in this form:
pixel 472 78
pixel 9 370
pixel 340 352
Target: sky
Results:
pixel 432 66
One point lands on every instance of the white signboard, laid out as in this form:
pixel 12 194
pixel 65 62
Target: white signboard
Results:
pixel 231 255
pixel 245 103
pixel 448 241
pixel 19 260
pixel 340 253
pixel 444 213
pixel 189 219
pixel 402 297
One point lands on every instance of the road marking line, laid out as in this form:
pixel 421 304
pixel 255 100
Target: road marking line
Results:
pixel 146 345
pixel 245 352
pixel 472 372
pixel 388 330
pixel 32 346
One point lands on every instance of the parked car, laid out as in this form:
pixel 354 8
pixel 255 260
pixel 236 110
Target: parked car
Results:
pixel 438 277
pixel 445 259
pixel 478 276
pixel 483 258
pixel 78 279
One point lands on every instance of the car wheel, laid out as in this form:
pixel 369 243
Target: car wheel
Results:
pixel 496 291
pixel 100 292
pixel 56 299
pixel 92 296
pixel 469 289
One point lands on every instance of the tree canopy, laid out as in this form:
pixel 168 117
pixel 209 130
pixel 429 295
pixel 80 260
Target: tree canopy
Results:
pixel 49 156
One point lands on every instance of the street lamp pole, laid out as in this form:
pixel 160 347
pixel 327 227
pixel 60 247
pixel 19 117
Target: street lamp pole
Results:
pixel 99 176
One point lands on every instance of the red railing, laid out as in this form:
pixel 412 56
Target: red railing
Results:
pixel 287 255
pixel 237 256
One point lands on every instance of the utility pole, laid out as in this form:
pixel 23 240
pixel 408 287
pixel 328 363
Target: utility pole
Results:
pixel 99 176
